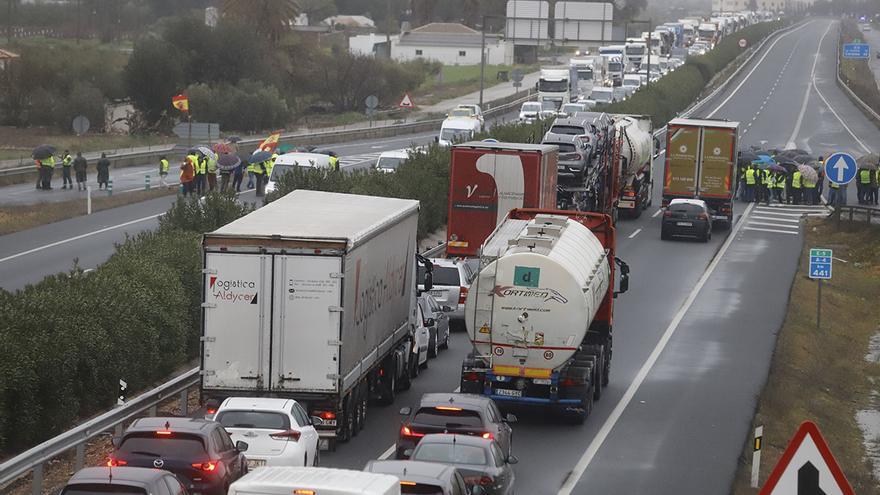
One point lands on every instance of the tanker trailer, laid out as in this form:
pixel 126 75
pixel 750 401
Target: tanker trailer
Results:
pixel 637 147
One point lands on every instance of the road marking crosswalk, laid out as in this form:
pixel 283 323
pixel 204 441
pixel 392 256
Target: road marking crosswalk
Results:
pixel 782 218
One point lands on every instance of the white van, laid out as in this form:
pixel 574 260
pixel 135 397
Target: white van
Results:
pixel 457 129
pixel 284 163
pixel 314 481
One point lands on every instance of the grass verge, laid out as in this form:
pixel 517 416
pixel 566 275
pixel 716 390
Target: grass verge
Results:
pixel 17 218
pixel 822 375
pixel 457 80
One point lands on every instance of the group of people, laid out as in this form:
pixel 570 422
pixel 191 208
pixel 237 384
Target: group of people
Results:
pixel 867 181
pixel 763 185
pixel 46 171
pixel 198 174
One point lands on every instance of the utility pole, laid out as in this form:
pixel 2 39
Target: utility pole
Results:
pixel 9 21
pixel 78 20
pixel 388 28
pixel 482 59
pixel 650 34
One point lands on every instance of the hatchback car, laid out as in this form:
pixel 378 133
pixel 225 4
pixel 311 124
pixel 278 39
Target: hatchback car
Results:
pixel 198 451
pixel 390 160
pixel 123 480
pixel 687 217
pixel 479 460
pixel 452 279
pixel 423 478
pixel 437 322
pixel 278 432
pixel 464 414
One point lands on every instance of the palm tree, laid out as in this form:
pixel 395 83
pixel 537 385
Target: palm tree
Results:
pixel 271 18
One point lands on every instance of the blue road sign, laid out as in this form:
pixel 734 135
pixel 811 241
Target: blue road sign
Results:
pixel 820 263
pixel 840 168
pixel 856 50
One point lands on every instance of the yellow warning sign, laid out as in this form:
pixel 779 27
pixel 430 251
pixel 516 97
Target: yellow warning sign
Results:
pixel 484 329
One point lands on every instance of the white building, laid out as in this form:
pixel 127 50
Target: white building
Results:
pixel 369 44
pixel 451 44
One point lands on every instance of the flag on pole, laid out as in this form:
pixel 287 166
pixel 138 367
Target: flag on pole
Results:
pixel 270 143
pixel 181 102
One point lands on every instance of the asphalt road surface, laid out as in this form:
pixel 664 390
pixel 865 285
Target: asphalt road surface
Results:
pixel 693 336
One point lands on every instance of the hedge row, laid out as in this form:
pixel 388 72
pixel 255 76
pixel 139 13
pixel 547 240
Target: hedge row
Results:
pixel 68 339
pixel 673 93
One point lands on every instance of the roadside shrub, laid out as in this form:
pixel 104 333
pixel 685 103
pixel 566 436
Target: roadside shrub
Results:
pixel 249 106
pixel 196 215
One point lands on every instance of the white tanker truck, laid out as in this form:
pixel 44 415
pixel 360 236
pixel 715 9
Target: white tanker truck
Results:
pixel 539 313
pixel 637 148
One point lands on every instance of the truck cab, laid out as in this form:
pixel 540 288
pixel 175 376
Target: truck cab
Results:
pixel 555 85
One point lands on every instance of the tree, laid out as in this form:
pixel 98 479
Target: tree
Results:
pixel 153 75
pixel 628 9
pixel 271 18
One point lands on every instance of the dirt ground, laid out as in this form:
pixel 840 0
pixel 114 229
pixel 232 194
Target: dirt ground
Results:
pixel 823 375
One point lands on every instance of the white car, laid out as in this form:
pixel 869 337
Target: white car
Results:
pixel 278 432
pixel 284 163
pixel 422 340
pixel 457 129
pixel 570 109
pixel 468 111
pixel 315 481
pixel 452 280
pixel 529 111
pixel 476 112
pixel 390 160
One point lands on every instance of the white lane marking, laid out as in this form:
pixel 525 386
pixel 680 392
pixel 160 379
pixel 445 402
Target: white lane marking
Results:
pixel 800 120
pixel 771 230
pixel 779 213
pixel 758 64
pixel 615 415
pixel 635 233
pixel 657 213
pixel 390 450
pixel 781 226
pixel 76 238
pixel 790 220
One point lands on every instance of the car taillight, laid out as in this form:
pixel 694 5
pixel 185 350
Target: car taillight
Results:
pixel 470 377
pixel 703 216
pixel 488 436
pixel 327 415
pixel 478 480
pixel 116 462
pixel 462 294
pixel 208 467
pixel 407 432
pixel 212 410
pixel 286 435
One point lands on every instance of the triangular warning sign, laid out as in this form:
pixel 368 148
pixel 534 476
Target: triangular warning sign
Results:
pixel 406 102
pixel 807 467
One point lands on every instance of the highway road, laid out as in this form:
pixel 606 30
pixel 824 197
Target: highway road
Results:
pixel 693 336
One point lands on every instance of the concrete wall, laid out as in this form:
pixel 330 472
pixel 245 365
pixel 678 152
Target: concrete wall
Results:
pixel 496 53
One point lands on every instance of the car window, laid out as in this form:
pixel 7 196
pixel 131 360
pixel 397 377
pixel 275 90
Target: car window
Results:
pixel 686 208
pixel 174 486
pixel 565 147
pixel 261 420
pixel 496 412
pixel 459 485
pixel 173 446
pixel 498 455
pixel 450 453
pixel 491 415
pixel 221 440
pixel 569 130
pixel 421 489
pixel 302 417
pixel 449 417
pixel 443 275
pixel 91 488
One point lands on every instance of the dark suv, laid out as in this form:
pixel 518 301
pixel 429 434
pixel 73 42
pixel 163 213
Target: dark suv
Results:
pixel 462 414
pixel 198 451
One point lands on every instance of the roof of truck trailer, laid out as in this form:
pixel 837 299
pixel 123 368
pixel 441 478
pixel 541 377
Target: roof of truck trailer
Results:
pixel 506 146
pixel 304 214
pixel 726 124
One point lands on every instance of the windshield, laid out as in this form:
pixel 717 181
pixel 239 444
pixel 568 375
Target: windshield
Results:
pixel 253 419
pixel 706 33
pixel 389 162
pixel 450 454
pixel 602 96
pixel 456 134
pixel 443 275
pixel 585 74
pixel 635 50
pixel 94 488
pixel 568 130
pixel 549 105
pixel 552 86
pixel 572 108
pixel 431 416
pixel 632 81
pixel 461 112
pixel 282 168
pixel 531 107
pixel 615 67
pixel 174 446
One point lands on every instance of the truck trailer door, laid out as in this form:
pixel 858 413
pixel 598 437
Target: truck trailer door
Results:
pixel 235 347
pixel 306 330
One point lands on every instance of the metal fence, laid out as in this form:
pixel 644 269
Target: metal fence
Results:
pixel 860 214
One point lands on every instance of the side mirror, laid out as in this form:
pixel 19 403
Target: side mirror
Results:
pixel 429 280
pixel 241 446
pixel 446 309
pixel 624 276
pixel 116 441
pixel 510 418
pixel 436 139
pixel 405 411
pixel 512 459
pixel 429 322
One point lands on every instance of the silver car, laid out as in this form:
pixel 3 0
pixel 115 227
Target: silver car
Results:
pixel 480 461
pixel 123 480
pixel 452 279
pixel 438 317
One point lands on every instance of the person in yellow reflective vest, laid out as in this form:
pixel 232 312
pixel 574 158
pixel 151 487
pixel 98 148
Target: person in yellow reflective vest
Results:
pixel 201 172
pixel 163 171
pixel 260 178
pixel 751 182
pixel 66 163
pixel 811 197
pixel 864 178
pixel 211 172
pixel 270 164
pixel 47 169
pixel 834 194
pixel 778 186
pixel 251 177
pixel 874 183
pixel 797 190
pixel 334 161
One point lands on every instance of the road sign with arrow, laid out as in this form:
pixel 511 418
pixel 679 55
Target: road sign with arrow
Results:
pixel 807 467
pixel 840 168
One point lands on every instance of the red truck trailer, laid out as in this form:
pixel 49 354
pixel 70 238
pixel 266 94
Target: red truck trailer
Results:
pixel 487 180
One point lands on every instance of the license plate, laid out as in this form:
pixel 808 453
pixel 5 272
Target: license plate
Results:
pixel 437 293
pixel 508 392
pixel 685 224
pixel 255 463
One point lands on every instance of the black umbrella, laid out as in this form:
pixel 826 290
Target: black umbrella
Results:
pixel 748 156
pixel 789 165
pixel 260 156
pixel 233 139
pixel 228 162
pixel 43 151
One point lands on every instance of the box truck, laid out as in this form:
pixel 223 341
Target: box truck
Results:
pixel 313 297
pixel 701 163
pixel 539 313
pixel 486 180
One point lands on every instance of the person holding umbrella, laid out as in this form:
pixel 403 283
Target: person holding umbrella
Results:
pixel 227 163
pixel 238 175
pixel 259 160
pixel 44 158
pixel 796 190
pixel 80 165
pixel 103 168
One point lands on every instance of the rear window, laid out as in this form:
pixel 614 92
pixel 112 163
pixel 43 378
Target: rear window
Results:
pixel 443 275
pixel 450 453
pixel 432 416
pixel 253 419
pixel 88 489
pixel 686 208
pixel 569 130
pixel 174 446
pixel 565 148
pixel 421 489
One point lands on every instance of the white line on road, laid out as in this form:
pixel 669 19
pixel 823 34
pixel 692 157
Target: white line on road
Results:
pixel 800 120
pixel 781 226
pixel 657 213
pixel 615 415
pixel 790 220
pixel 771 230
pixel 76 238
pixel 635 233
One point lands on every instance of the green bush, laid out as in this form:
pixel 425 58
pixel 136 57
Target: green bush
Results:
pixel 248 106
pixel 68 339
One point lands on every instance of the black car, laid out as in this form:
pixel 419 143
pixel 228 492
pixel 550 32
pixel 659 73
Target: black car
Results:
pixel 480 461
pixel 198 451
pixel 123 480
pixel 463 414
pixel 687 217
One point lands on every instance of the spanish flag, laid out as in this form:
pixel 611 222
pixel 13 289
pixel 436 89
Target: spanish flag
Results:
pixel 270 143
pixel 180 102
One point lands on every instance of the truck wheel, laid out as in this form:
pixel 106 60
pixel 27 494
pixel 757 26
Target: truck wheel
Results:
pixel 445 344
pixel 606 375
pixel 414 371
pixel 389 384
pixel 405 379
pixel 347 420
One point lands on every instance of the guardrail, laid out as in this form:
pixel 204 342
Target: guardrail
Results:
pixel 869 112
pixel 855 213
pixel 33 459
